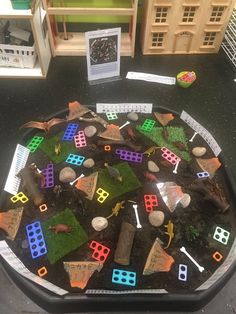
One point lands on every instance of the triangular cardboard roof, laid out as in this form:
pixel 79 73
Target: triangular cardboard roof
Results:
pixel 164 118
pixel 210 165
pixel 112 132
pixel 80 272
pixel 88 184
pixel 10 221
pixel 76 110
pixel 158 260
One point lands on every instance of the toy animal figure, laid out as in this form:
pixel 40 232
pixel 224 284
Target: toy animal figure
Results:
pixel 179 145
pixel 46 126
pixel 61 228
pixel 113 172
pixel 116 209
pixel 150 151
pixel 151 177
pixel 29 176
pixel 169 232
pixel 130 133
pixel 57 149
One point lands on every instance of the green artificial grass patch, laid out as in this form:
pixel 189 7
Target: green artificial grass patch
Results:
pixel 115 188
pixel 48 147
pixel 176 134
pixel 60 244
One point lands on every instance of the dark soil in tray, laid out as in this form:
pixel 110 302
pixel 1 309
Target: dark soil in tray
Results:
pixel 194 226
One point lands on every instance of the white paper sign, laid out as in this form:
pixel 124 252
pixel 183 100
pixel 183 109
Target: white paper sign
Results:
pixel 124 107
pixel 19 267
pixel 103 53
pixel 197 127
pixel 151 78
pixel 18 162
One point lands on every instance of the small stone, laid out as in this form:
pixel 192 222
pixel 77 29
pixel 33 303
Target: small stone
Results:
pixel 132 116
pixel 99 223
pixel 199 151
pixel 185 200
pixel 156 218
pixel 67 174
pixel 152 167
pixel 89 163
pixel 90 131
pixel 25 244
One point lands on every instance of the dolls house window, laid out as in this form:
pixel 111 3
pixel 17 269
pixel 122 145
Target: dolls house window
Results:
pixel 157 39
pixel 217 13
pixel 209 38
pixel 160 14
pixel 189 13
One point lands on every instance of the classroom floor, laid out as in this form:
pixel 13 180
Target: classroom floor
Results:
pixel 211 101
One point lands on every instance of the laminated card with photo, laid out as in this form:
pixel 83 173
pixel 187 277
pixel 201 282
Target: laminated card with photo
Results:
pixel 103 53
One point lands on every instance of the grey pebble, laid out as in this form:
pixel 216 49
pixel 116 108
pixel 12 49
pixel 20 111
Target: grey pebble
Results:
pixel 25 244
pixel 152 167
pixel 90 131
pixel 67 174
pixel 132 116
pixel 89 163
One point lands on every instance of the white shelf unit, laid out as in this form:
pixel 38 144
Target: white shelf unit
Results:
pixel 229 42
pixel 75 44
pixel 42 46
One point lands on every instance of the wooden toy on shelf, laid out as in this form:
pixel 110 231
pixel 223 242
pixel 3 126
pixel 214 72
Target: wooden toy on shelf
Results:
pixel 184 26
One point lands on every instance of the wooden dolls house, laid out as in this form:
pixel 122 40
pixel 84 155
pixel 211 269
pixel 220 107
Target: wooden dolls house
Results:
pixel 184 26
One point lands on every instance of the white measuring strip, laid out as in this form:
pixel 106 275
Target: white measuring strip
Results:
pixel 140 291
pixel 151 78
pixel 197 127
pixel 19 267
pixel 124 107
pixel 18 162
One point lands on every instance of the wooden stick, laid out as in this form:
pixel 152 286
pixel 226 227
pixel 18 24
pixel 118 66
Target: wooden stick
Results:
pixel 64 22
pixel 125 243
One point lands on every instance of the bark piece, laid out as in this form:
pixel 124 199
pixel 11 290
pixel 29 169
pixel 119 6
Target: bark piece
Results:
pixel 210 196
pixel 125 243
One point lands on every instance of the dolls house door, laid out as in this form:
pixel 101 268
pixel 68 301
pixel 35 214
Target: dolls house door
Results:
pixel 182 42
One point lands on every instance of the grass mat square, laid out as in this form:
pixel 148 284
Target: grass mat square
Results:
pixel 48 147
pixel 60 244
pixel 115 188
pixel 175 134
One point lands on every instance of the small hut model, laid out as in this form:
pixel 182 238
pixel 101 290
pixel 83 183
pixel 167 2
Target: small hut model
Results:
pixel 184 26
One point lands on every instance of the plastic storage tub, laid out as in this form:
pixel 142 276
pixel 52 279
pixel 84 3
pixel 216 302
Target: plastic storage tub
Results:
pixel 21 4
pixel 105 300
